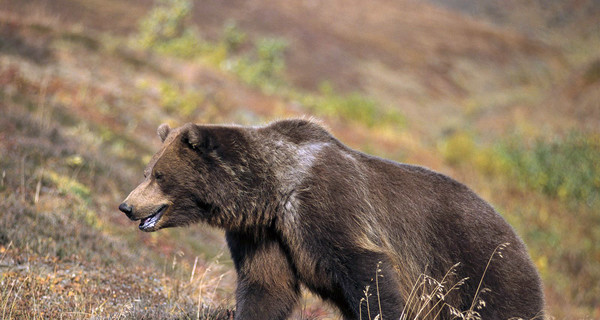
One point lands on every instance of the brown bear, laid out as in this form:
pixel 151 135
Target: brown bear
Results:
pixel 302 209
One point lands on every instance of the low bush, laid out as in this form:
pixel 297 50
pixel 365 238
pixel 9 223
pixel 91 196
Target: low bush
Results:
pixel 565 168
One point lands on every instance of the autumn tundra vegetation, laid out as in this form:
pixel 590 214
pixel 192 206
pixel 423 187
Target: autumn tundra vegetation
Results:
pixel 503 99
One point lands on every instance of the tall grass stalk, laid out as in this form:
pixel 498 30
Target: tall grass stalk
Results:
pixel 377 275
pixel 367 295
pixel 200 287
pixel 360 308
pixel 498 250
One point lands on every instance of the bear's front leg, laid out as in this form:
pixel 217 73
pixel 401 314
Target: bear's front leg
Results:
pixel 267 287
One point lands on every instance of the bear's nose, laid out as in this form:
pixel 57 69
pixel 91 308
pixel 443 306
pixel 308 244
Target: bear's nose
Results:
pixel 127 209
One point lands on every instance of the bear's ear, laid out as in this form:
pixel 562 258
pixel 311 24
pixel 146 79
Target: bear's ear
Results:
pixel 197 138
pixel 163 131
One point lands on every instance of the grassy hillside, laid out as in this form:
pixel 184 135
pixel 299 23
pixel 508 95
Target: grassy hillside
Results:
pixel 84 84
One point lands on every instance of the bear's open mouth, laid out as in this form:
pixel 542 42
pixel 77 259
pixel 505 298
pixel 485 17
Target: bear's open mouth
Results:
pixel 148 223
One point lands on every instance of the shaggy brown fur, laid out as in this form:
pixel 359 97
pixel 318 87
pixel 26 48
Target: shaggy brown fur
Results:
pixel 301 208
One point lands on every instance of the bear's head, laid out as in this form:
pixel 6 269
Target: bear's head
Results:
pixel 202 173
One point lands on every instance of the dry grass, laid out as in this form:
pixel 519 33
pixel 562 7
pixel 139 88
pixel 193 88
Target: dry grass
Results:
pixel 431 298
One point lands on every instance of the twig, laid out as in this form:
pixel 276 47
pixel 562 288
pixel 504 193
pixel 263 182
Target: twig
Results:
pixel 194 269
pixel 42 102
pixel 6 250
pixel 23 178
pixel 38 188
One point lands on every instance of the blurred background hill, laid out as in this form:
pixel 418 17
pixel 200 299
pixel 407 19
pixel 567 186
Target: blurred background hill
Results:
pixel 501 95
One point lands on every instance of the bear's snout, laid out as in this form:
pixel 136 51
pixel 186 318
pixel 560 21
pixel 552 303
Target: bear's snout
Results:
pixel 127 209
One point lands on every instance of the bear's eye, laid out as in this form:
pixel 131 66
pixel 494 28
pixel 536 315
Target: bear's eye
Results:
pixel 158 175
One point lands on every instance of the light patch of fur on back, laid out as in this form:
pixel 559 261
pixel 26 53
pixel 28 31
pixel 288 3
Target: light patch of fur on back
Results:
pixel 297 167
pixel 306 155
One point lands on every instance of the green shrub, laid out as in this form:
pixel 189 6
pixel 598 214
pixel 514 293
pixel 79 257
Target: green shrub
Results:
pixel 67 185
pixel 566 168
pixel 353 106
pixel 458 148
pixel 233 37
pixel 165 30
pixel 166 21
pixel 175 100
pixel 264 67
pixel 188 46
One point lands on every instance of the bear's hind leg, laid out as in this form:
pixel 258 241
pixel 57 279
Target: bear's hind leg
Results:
pixel 358 283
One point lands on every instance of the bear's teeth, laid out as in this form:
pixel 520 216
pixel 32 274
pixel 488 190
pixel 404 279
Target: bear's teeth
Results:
pixel 150 222
pixel 147 222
